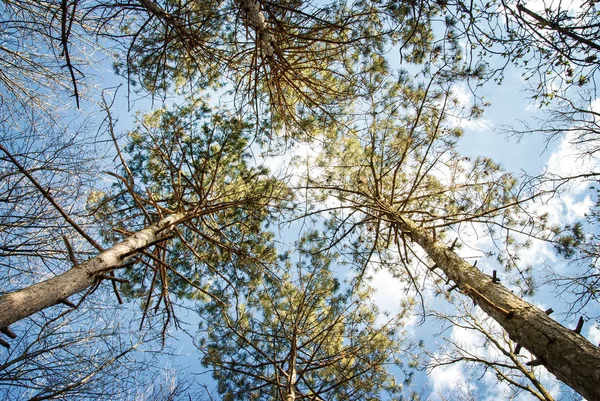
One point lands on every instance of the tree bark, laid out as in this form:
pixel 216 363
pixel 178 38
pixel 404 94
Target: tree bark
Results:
pixel 19 304
pixel 256 19
pixel 292 375
pixel 566 354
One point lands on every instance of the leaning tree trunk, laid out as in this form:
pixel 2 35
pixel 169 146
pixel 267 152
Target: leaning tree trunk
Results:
pixel 565 353
pixel 19 304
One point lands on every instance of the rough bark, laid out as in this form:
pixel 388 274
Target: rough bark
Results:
pixel 253 18
pixel 292 375
pixel 19 304
pixel 256 19
pixel 566 354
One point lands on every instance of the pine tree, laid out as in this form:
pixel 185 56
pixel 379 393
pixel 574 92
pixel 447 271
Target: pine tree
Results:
pixel 399 183
pixel 302 337
pixel 188 193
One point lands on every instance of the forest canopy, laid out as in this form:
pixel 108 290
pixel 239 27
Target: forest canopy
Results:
pixel 242 182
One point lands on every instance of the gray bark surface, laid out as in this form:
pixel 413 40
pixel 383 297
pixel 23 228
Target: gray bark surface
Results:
pixel 256 19
pixel 292 375
pixel 566 354
pixel 19 304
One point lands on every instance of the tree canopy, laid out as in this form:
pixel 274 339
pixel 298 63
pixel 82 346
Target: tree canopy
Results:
pixel 302 337
pixel 283 155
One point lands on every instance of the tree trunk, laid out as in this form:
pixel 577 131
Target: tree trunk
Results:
pixel 256 19
pixel 566 354
pixel 292 375
pixel 22 303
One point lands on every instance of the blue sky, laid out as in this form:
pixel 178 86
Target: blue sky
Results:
pixel 530 154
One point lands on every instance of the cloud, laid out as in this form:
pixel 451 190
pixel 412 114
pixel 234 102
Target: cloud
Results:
pixel 389 291
pixel 449 379
pixel 462 94
pixel 570 159
pixel 538 6
pixel 594 334
pixel 595 105
pixel 461 378
pixel 298 151
pixel 464 97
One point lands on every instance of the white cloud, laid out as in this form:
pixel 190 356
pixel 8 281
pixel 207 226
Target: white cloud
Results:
pixel 477 125
pixel 304 151
pixel 569 160
pixel 462 95
pixel 538 251
pixel 464 98
pixel 462 378
pixel 448 379
pixel 539 6
pixel 499 390
pixel 389 295
pixel 594 334
pixel 389 291
pixel 453 379
pixel 469 339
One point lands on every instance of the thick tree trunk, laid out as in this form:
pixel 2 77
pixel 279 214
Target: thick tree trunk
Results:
pixel 566 354
pixel 22 303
